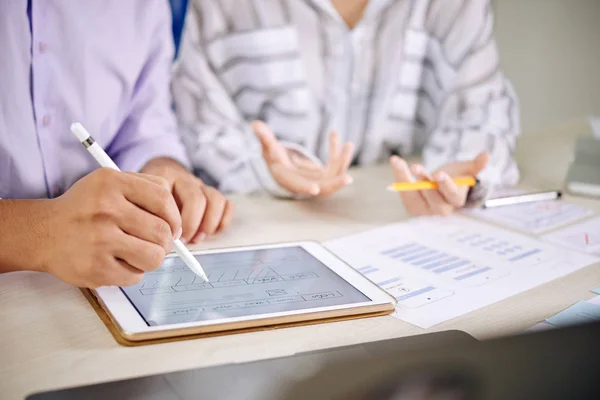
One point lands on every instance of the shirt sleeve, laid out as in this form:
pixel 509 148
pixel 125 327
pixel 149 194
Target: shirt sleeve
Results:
pixel 149 131
pixel 219 139
pixel 480 108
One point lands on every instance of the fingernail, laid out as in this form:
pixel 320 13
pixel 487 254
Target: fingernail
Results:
pixel 348 180
pixel 178 234
pixel 442 177
pixel 201 237
pixel 315 190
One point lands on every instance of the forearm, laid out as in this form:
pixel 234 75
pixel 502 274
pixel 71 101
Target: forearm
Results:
pixel 25 224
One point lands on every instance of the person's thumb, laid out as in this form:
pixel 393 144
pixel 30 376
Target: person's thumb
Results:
pixel 468 168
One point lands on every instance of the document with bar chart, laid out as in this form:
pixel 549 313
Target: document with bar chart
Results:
pixel 439 268
pixel 583 237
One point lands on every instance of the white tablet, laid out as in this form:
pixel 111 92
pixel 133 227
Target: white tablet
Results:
pixel 249 287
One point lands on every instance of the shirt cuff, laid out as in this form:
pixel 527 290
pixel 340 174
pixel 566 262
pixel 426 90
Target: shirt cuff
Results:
pixel 137 156
pixel 477 195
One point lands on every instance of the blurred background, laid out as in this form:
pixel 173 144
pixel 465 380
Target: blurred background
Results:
pixel 550 49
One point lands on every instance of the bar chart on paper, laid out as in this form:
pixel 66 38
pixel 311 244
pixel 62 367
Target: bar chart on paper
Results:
pixel 440 268
pixel 583 237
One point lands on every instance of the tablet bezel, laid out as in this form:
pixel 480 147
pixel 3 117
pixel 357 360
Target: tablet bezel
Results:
pixel 132 325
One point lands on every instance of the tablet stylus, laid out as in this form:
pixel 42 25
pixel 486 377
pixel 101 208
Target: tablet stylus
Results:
pixel 105 161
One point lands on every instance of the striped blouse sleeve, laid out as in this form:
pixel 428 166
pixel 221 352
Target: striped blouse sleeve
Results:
pixel 219 140
pixel 480 109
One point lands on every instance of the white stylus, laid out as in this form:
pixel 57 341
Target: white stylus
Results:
pixel 105 161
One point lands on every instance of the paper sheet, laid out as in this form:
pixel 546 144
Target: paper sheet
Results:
pixel 595 300
pixel 439 268
pixel 580 313
pixel 583 237
pixel 535 217
pixel 540 326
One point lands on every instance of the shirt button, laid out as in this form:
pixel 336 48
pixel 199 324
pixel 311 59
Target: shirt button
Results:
pixel 46 121
pixel 42 47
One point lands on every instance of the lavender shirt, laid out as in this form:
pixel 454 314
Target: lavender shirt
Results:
pixel 105 63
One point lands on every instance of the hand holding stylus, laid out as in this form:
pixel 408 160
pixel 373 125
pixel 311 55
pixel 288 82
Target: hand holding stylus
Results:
pixel 161 205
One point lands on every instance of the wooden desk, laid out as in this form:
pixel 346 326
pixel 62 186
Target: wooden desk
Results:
pixel 50 337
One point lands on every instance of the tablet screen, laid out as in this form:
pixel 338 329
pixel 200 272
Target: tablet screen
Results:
pixel 242 283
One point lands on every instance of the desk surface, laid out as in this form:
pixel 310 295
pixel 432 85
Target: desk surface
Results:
pixel 51 338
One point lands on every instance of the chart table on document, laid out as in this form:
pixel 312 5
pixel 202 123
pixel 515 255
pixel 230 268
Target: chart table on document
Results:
pixel 240 283
pixel 438 268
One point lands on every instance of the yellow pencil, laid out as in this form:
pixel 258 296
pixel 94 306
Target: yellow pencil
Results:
pixel 427 185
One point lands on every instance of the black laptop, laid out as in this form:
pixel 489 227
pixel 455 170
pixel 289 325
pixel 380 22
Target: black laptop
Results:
pixel 558 364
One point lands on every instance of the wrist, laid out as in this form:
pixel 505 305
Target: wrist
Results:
pixel 25 229
pixel 162 165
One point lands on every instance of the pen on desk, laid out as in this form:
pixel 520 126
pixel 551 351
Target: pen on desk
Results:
pixel 428 185
pixel 523 198
pixel 105 161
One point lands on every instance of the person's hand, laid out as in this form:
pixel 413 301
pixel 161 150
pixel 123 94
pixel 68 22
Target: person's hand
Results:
pixel 448 197
pixel 108 229
pixel 204 210
pixel 298 174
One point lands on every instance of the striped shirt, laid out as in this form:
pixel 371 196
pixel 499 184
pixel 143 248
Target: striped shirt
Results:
pixel 412 75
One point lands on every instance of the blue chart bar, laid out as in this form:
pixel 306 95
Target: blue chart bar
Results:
pixel 408 251
pixel 465 238
pixel 421 254
pixel 470 274
pixel 451 266
pixel 395 249
pixel 392 280
pixel 427 260
pixel 441 263
pixel 415 293
pixel 369 270
pixel 524 255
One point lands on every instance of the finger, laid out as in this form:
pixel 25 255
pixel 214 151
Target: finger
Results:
pixel 480 162
pixel 334 150
pixel 346 157
pixel 414 202
pixel 198 237
pixel 192 203
pixel 155 198
pixel 271 148
pixel 293 181
pixel 138 253
pixel 159 180
pixel 332 185
pixel 215 206
pixel 449 190
pixel 139 223
pixel 125 274
pixel 468 168
pixel 227 216
pixel 435 202
pixel 304 163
